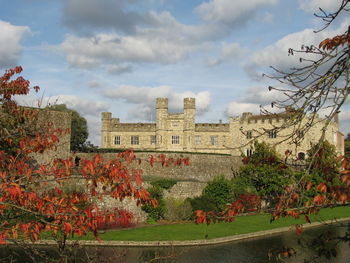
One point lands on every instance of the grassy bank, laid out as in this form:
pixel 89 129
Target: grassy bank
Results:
pixel 191 231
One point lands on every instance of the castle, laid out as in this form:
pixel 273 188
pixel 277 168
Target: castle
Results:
pixel 179 132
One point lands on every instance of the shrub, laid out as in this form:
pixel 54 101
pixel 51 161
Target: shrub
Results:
pixel 177 209
pixel 269 181
pixel 204 203
pixel 164 183
pixel 155 213
pixel 124 219
pixel 242 186
pixel 220 191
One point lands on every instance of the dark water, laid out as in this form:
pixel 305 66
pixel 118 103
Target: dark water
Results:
pixel 248 251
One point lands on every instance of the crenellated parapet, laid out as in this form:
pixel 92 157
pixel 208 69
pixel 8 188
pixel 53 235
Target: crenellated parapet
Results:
pixel 189 103
pixel 129 127
pixel 212 127
pixel 162 103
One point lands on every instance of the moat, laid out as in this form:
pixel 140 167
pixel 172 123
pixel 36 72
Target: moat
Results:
pixel 247 251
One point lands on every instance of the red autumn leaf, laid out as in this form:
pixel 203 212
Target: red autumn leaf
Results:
pixel 322 187
pixel 309 185
pixel 151 160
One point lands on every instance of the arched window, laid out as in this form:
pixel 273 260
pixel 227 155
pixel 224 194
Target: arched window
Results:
pixel 301 156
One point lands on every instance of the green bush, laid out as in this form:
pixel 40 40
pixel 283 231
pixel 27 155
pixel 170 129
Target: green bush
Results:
pixel 204 203
pixel 269 181
pixel 220 191
pixel 177 209
pixel 322 158
pixel 241 185
pixel 263 154
pixel 164 183
pixel 215 196
pixel 155 213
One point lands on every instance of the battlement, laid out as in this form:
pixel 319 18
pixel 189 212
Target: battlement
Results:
pixel 151 127
pixel 220 127
pixel 161 103
pixel 106 115
pixel 189 103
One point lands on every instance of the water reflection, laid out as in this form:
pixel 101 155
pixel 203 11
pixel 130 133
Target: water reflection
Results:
pixel 248 251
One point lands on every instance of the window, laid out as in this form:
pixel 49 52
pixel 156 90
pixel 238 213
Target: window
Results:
pixel 249 134
pixel 198 139
pixel 175 124
pixel 134 140
pixel 301 156
pixel 175 139
pixel 117 140
pixel 249 152
pixel 214 140
pixel 153 139
pixel 272 133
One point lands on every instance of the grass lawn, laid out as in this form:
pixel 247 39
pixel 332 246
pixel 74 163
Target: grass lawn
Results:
pixel 191 231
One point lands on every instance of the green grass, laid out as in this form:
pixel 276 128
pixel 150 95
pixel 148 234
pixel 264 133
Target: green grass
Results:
pixel 191 231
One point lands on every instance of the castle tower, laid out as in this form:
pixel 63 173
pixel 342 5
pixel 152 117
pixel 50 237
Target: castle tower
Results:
pixel 106 118
pixel 189 122
pixel 161 115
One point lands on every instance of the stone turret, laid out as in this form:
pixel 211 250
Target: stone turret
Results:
pixel 189 103
pixel 106 118
pixel 189 122
pixel 162 115
pixel 162 103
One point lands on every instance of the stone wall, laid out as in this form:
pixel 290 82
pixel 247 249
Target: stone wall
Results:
pixel 59 120
pixel 183 190
pixel 202 168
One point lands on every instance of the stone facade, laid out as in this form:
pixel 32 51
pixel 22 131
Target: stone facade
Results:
pixel 179 132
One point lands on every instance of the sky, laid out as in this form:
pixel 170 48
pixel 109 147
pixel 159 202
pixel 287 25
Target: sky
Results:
pixel 120 55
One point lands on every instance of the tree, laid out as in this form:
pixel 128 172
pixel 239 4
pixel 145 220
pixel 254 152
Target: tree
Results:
pixel 79 129
pixel 321 83
pixel 32 196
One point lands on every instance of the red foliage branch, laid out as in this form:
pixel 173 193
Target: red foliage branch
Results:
pixel 32 196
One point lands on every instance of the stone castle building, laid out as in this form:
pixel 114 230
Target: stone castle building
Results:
pixel 179 132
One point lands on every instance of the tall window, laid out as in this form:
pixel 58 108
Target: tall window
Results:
pixel 175 139
pixel 214 140
pixel 117 140
pixel 198 139
pixel 153 139
pixel 249 134
pixel 134 140
pixel 272 133
pixel 249 152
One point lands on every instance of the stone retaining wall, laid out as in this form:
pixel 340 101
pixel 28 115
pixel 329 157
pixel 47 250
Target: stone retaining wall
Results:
pixel 202 168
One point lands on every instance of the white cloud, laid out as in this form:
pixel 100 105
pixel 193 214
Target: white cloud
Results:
pixel 10 43
pixel 145 97
pixel 84 106
pixel 276 55
pixel 119 69
pixel 87 52
pixel 312 6
pixel 231 12
pixel 237 108
pixel 261 95
pixel 229 52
